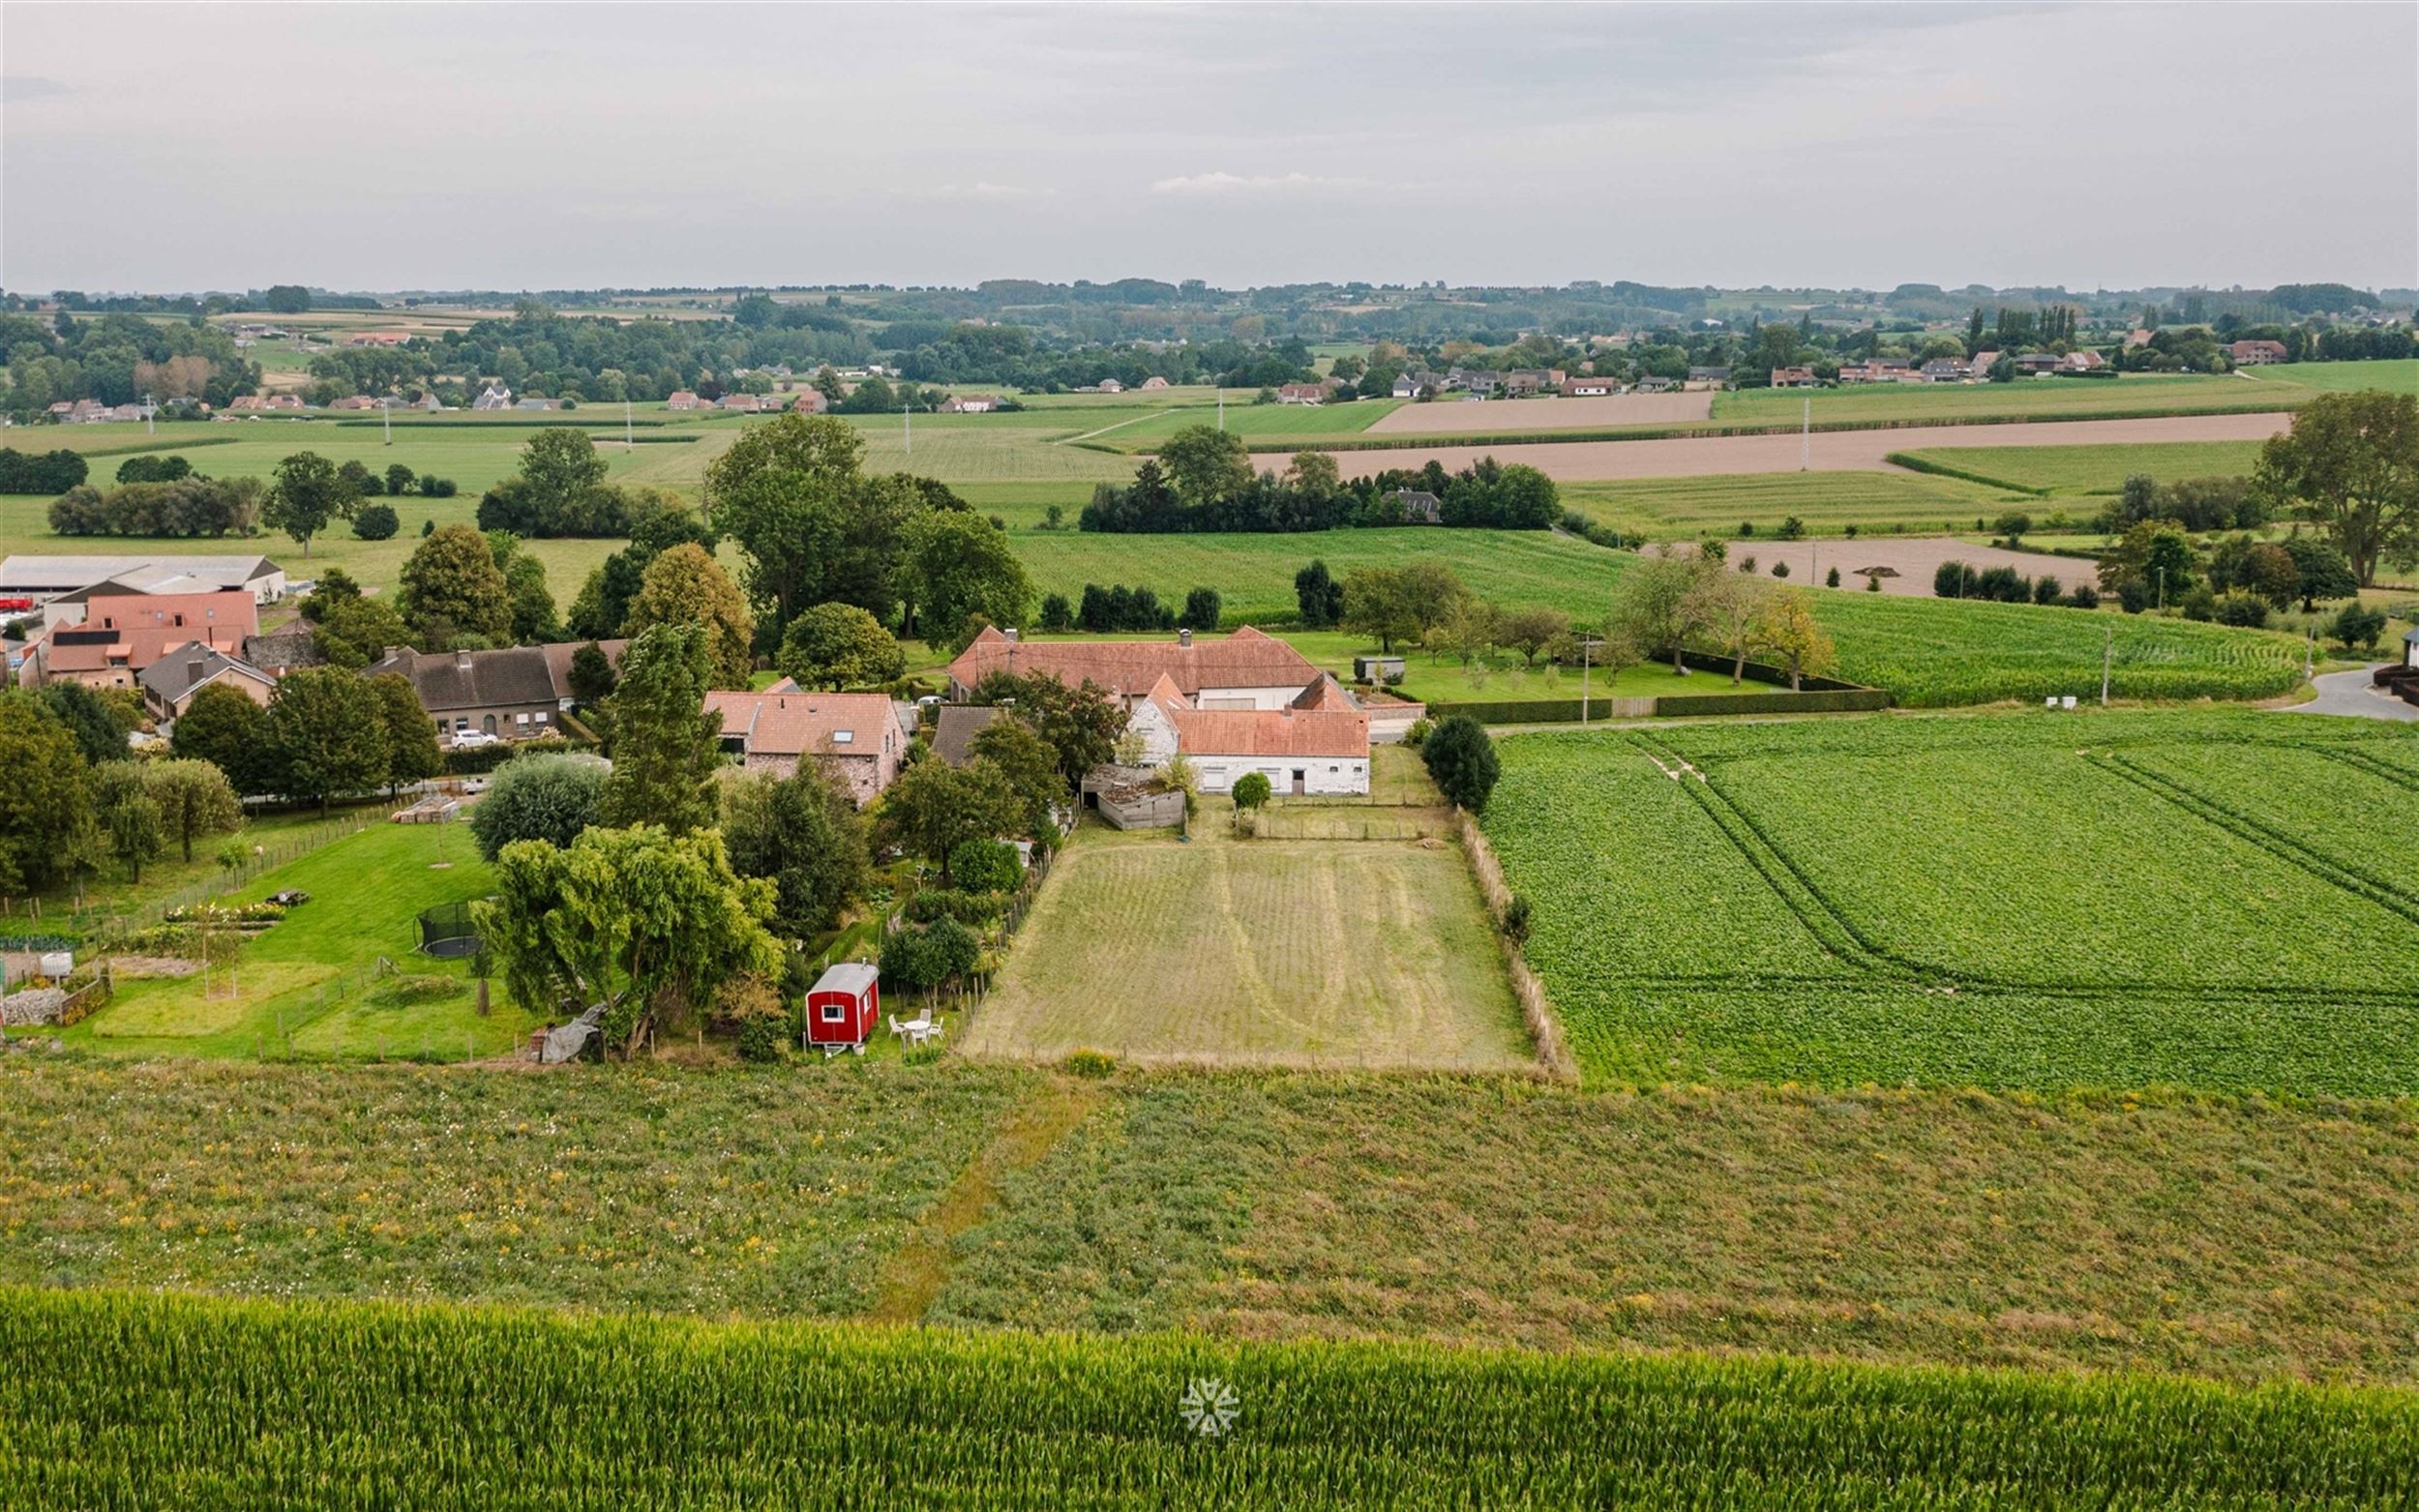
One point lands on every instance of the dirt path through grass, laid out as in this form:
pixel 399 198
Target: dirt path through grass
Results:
pixel 915 1274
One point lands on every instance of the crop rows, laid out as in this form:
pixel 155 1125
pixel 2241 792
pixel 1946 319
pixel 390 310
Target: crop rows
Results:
pixel 2041 902
pixel 139 1400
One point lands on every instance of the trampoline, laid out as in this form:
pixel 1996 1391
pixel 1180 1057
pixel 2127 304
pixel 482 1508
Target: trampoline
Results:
pixel 448 931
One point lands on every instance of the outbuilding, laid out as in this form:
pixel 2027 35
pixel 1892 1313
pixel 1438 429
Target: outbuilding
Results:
pixel 843 1006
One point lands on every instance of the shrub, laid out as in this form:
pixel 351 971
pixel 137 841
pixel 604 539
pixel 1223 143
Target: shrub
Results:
pixel 1089 1063
pixel 1872 582
pixel 1514 922
pixel 2243 610
pixel 1830 579
pixel 932 905
pixel 1417 733
pixel 985 865
pixel 1781 568
pixel 1251 790
pixel 2357 628
pixel 754 1004
pixel 2086 596
pixel 2045 590
pixel 1746 563
pixel 1461 758
pixel 435 488
pixel 550 798
pixel 376 522
pixel 1793 529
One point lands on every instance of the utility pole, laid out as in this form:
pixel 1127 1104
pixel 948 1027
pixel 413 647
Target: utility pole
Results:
pixel 386 419
pixel 2108 653
pixel 1221 409
pixel 151 416
pixel 1806 439
pixel 628 441
pixel 2163 587
pixel 2309 655
pixel 1587 655
pixel 906 424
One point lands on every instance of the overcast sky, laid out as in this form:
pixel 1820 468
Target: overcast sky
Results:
pixel 366 147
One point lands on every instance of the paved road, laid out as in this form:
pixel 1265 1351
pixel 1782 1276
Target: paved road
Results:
pixel 2348 694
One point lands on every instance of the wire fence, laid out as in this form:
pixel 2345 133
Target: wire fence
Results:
pixel 92 920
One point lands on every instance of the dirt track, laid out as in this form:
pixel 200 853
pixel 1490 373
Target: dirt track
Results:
pixel 1834 451
pixel 1494 416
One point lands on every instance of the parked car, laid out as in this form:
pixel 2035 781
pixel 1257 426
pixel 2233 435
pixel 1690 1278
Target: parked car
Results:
pixel 472 739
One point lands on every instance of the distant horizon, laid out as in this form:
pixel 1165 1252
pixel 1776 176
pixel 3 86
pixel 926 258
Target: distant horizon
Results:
pixel 2108 147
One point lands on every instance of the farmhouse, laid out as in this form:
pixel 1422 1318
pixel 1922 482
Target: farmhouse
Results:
pixel 856 736
pixel 1589 388
pixel 1111 386
pixel 1656 384
pixel 1793 377
pixel 1317 742
pixel 681 399
pixel 968 405
pixel 1983 362
pixel 2036 361
pixel 493 397
pixel 2255 354
pixel 954 737
pixel 1245 671
pixel 1714 376
pixel 742 403
pixel 353 401
pixel 1154 381
pixel 1418 507
pixel 811 401
pixel 1302 394
pixel 508 692
pixel 1946 369
pixel 72 580
pixel 120 634
pixel 169 683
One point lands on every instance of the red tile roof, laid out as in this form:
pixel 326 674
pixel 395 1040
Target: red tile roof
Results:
pixel 800 723
pixel 1271 733
pixel 1245 659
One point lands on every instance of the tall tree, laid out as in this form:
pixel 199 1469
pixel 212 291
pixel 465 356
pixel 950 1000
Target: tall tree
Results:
pixel 839 645
pixel 960 565
pixel 308 492
pixel 411 753
pixel 646 925
pixel 1080 724
pixel 2350 464
pixel 195 798
pixel 1461 759
pixel 685 586
pixel 1206 464
pixel 223 727
pixel 531 605
pixel 933 806
pixel 1660 602
pixel 42 800
pixel 1031 766
pixel 1319 596
pixel 666 744
pixel 452 593
pixel 802 834
pixel 552 798
pixel 99 723
pixel 1787 628
pixel 328 730
pixel 129 816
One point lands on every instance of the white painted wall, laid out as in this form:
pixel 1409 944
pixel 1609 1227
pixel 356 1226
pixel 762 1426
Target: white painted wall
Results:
pixel 1321 776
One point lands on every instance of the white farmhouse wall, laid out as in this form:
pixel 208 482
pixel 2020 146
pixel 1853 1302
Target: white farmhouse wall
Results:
pixel 1321 776
pixel 1157 731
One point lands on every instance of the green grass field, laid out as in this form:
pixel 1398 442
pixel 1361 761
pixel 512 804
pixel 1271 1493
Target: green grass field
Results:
pixel 309 986
pixel 427 1402
pixel 2044 398
pixel 2045 902
pixel 2338 377
pixel 1827 502
pixel 1265 952
pixel 2093 469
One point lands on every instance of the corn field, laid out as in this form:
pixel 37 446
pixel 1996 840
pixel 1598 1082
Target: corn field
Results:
pixel 140 1401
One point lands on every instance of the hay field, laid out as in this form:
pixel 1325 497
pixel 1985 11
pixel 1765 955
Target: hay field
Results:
pixel 1451 417
pixel 1268 952
pixel 1830 451
pixel 1827 502
pixel 2097 469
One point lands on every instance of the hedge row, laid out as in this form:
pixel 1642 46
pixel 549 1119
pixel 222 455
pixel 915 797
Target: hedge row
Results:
pixel 1914 463
pixel 1677 705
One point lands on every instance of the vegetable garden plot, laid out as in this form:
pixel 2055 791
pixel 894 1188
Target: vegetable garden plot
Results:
pixel 2054 902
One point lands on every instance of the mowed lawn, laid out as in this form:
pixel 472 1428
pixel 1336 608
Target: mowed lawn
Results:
pixel 2095 469
pixel 313 980
pixel 1268 952
pixel 1825 503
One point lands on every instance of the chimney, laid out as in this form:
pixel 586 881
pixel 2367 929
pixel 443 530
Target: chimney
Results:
pixel 462 660
pixel 1184 637
pixel 1011 635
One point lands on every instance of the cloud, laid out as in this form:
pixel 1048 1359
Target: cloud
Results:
pixel 1224 182
pixel 25 86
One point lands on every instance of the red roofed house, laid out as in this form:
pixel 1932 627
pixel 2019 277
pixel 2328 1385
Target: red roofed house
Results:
pixel 1245 671
pixel 811 401
pixel 1302 394
pixel 681 399
pixel 1317 742
pixel 123 633
pixel 968 405
pixel 1793 377
pixel 856 736
pixel 2257 354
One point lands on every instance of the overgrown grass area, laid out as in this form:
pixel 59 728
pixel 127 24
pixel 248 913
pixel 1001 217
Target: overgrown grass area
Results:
pixel 1279 952
pixel 2236 1238
pixel 2065 470
pixel 312 984
pixel 1827 503
pixel 188 1402
pixel 2045 902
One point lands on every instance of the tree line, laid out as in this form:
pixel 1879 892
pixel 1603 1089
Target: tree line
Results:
pixel 1202 481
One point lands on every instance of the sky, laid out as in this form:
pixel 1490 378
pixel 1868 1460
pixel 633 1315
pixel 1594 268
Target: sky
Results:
pixel 367 147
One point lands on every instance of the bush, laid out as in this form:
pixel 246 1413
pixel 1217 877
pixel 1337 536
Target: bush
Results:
pixel 2086 596
pixel 2357 628
pixel 926 957
pixel 932 905
pixel 1089 1063
pixel 2045 590
pixel 1830 579
pixel 1514 922
pixel 376 522
pixel 985 865
pixel 754 1005
pixel 1251 790
pixel 1461 758
pixel 2243 610
pixel 1417 734
pixel 432 486
pixel 1872 582
pixel 550 798
pixel 1781 568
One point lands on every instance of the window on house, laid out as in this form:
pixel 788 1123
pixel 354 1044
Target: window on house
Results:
pixel 539 716
pixel 520 719
pixel 842 737
pixel 835 1012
